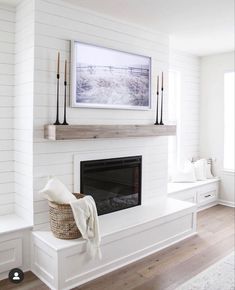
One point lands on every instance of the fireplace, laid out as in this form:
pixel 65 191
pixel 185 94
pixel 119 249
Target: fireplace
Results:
pixel 115 184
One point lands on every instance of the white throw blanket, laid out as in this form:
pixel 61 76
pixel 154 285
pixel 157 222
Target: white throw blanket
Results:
pixel 86 218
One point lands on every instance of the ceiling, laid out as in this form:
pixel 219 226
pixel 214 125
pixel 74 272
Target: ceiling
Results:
pixel 200 27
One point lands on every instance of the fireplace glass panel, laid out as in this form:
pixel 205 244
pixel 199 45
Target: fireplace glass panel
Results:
pixel 115 184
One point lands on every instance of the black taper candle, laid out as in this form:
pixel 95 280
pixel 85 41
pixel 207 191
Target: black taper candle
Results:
pixel 65 92
pixel 156 123
pixel 57 122
pixel 161 122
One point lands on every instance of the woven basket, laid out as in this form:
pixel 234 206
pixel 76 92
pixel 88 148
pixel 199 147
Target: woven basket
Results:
pixel 62 221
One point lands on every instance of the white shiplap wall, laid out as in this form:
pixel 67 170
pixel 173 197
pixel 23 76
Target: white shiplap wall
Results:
pixel 7 40
pixel 56 23
pixel 23 110
pixel 188 129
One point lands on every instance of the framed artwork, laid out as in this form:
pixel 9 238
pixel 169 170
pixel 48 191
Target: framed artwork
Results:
pixel 107 78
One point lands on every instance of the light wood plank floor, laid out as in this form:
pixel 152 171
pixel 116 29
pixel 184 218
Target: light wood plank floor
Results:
pixel 168 268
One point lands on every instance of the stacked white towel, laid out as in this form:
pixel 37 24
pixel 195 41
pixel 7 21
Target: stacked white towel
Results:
pixel 86 218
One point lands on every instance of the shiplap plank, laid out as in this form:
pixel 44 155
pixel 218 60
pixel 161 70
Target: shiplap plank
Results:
pixel 6 188
pixel 23 110
pixel 6 209
pixel 7 15
pixel 7 37
pixel 6 177
pixel 6 58
pixel 6 80
pixel 6 90
pixel 7 49
pixel 6 101
pixel 7 198
pixel 8 8
pixel 6 113
pixel 6 166
pixel 7 26
pixel 7 69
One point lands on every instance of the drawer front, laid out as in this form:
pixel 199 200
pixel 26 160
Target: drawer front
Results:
pixel 10 254
pixel 208 188
pixel 207 197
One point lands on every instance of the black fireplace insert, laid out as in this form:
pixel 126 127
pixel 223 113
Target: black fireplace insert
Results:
pixel 115 184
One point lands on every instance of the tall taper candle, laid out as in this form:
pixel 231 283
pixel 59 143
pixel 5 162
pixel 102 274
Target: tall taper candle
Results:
pixel 58 64
pixel 161 122
pixel 65 71
pixel 156 123
pixel 57 122
pixel 65 91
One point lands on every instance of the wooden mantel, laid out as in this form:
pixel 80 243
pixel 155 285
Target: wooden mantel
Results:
pixel 70 132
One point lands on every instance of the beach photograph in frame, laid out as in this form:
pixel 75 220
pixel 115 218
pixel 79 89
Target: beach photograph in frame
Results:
pixel 107 78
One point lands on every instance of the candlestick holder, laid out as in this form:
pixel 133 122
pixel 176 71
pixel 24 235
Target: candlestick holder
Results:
pixel 157 123
pixel 65 97
pixel 161 121
pixel 57 122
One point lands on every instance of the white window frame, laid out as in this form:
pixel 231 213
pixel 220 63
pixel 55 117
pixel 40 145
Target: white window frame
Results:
pixel 226 170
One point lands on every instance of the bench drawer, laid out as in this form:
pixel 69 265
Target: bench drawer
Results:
pixel 208 196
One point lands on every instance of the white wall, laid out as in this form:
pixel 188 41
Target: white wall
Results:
pixel 57 23
pixel 212 117
pixel 188 128
pixel 23 111
pixel 43 28
pixel 7 40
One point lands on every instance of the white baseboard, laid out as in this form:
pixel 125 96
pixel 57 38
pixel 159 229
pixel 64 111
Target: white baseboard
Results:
pixel 226 203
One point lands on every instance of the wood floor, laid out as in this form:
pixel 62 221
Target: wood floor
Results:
pixel 168 268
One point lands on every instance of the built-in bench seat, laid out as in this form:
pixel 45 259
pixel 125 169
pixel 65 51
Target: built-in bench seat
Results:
pixel 203 193
pixel 127 235
pixel 14 244
pixel 11 223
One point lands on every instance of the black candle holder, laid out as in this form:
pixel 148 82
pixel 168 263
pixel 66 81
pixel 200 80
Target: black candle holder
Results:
pixel 57 122
pixel 65 97
pixel 161 122
pixel 157 123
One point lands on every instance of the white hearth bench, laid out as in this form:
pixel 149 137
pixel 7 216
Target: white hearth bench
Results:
pixel 203 193
pixel 127 236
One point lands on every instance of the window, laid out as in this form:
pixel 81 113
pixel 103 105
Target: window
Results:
pixel 229 121
pixel 174 117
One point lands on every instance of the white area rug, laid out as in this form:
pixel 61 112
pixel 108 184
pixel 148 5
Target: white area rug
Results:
pixel 220 276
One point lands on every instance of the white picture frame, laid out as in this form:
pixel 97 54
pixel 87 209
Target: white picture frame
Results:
pixel 108 78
